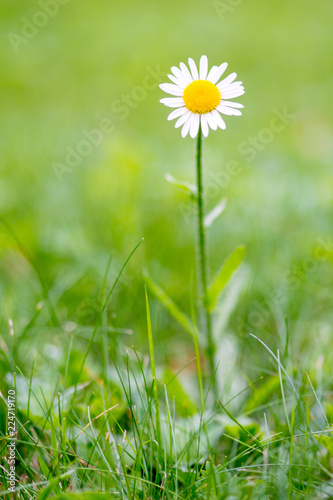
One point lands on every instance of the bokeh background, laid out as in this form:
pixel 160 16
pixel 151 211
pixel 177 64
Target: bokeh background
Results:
pixel 89 62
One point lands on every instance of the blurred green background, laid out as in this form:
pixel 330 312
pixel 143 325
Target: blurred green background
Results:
pixel 72 73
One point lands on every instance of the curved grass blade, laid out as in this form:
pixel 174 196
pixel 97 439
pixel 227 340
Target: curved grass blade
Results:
pixel 215 213
pixel 26 253
pixel 104 307
pixel 170 306
pixel 224 275
pixel 190 189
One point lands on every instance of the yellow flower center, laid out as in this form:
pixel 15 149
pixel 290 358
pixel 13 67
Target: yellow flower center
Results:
pixel 201 96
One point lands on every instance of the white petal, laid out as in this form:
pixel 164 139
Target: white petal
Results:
pixel 232 104
pixel 176 113
pixel 226 81
pixel 211 121
pixel 218 72
pixel 204 126
pixel 231 89
pixel 194 69
pixel 179 75
pixel 187 126
pixel 232 86
pixel 195 126
pixel 183 119
pixel 211 73
pixel 222 108
pixel 173 102
pixel 169 88
pixel 203 67
pixel 186 72
pixel 177 82
pixel 218 118
pixel 230 94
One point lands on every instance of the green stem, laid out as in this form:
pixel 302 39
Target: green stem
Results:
pixel 203 270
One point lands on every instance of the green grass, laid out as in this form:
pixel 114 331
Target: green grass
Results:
pixel 93 419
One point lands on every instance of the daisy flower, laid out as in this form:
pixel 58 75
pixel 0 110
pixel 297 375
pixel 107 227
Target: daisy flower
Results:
pixel 199 99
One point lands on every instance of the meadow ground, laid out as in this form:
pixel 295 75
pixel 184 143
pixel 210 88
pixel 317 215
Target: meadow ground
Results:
pixel 85 146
